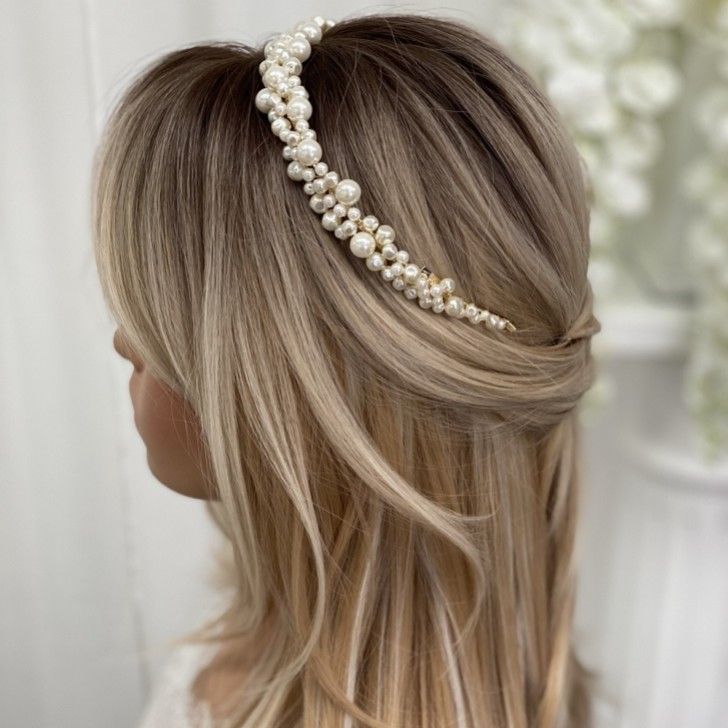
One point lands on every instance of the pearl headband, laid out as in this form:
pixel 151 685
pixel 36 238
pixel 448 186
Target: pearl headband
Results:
pixel 334 198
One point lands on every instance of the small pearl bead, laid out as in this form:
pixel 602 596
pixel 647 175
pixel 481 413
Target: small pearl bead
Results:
pixel 348 191
pixel 454 306
pixel 410 292
pixel 332 179
pixel 299 108
pixel 438 306
pixel 321 169
pixel 397 268
pixel 280 125
pixel 345 230
pixel 389 251
pixel 295 170
pixel 402 256
pixel 385 234
pixel 353 213
pixel 447 285
pixel 329 200
pixel 425 302
pixel 398 283
pixel 436 291
pixel 387 273
pixel 471 310
pixel 411 271
pixel 293 66
pixel 362 244
pixel 340 209
pixel 317 203
pixel 308 174
pixel 370 223
pixel 501 324
pixel 301 125
pixel 376 261
pixel 308 188
pixel 330 221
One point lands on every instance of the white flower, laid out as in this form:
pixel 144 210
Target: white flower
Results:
pixel 623 192
pixel 647 86
pixel 637 145
pixel 599 31
pixel 656 13
pixel 580 92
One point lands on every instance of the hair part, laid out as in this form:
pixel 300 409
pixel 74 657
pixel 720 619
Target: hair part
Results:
pixel 398 490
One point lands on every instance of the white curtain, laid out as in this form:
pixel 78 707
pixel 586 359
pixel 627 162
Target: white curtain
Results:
pixel 99 564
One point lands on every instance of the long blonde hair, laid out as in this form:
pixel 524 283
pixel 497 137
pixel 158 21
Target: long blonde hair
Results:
pixel 398 488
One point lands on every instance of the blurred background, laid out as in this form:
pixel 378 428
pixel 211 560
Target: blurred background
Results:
pixel 100 565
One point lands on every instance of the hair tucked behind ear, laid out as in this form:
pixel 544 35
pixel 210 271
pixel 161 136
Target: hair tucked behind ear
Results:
pixel 398 488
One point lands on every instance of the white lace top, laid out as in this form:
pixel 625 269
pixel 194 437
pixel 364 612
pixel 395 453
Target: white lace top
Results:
pixel 171 704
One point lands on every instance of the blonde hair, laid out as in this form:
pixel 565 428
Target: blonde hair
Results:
pixel 399 489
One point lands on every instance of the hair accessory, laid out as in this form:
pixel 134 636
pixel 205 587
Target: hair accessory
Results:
pixel 287 105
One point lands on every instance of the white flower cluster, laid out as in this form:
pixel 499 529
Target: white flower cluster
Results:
pixel 606 67
pixel 286 103
pixel 610 68
pixel 707 184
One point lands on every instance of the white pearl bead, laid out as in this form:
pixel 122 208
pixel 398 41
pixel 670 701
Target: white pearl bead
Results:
pixel 274 75
pixel 370 223
pixel 492 320
pixel 389 251
pixel 280 125
pixel 376 261
pixel 353 213
pixel 347 191
pixel 340 209
pixel 263 100
pixel 301 125
pixel 410 292
pixel 501 324
pixel 345 230
pixel 309 152
pixel 447 285
pixel 308 188
pixel 295 170
pixel 288 153
pixel 329 200
pixel 402 256
pixel 330 221
pixel 321 169
pixel 299 107
pixel 317 203
pixel 387 273
pixel 332 179
pixel 318 185
pixel 398 283
pixel 300 48
pixel 411 271
pixel 397 268
pixel 362 244
pixel 471 310
pixel 436 291
pixel 311 30
pixel 294 67
pixel 308 174
pixel 454 306
pixel 385 234
pixel 425 302
pixel 438 306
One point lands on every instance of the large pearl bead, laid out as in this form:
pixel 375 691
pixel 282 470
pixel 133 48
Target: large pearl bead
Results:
pixel 299 107
pixel 454 306
pixel 311 30
pixel 330 220
pixel 300 48
pixel 309 152
pixel 275 75
pixel 347 191
pixel 362 244
pixel 411 271
pixel 263 100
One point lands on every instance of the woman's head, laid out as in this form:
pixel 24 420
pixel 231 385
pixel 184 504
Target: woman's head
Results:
pixel 390 479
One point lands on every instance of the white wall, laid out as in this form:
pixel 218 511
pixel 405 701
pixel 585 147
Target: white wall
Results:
pixel 98 562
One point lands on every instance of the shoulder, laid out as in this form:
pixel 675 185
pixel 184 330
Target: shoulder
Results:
pixel 171 703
